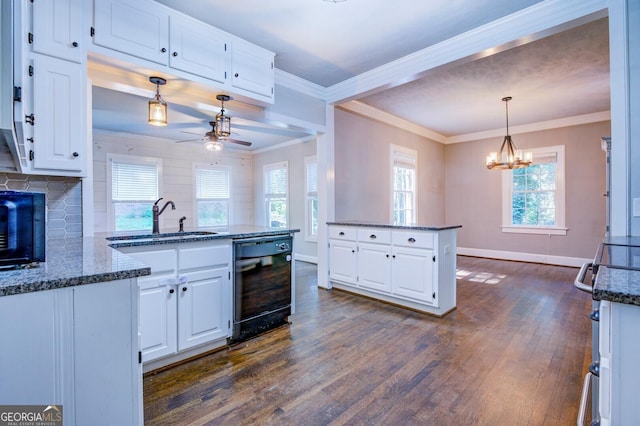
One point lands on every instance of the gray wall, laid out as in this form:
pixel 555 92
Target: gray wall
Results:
pixel 363 175
pixel 294 154
pixel 474 193
pixel 64 200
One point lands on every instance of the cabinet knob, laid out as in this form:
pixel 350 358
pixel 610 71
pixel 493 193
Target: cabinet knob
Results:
pixel 75 154
pixel 184 289
pixel 175 53
pixel 163 50
pixel 236 75
pixel 341 233
pixel 171 291
pixel 412 240
pixel 74 44
pixel 394 256
pixel 353 251
pixel 373 236
pixel 387 256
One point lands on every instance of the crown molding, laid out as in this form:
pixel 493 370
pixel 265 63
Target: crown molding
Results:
pixel 533 127
pixel 293 82
pixel 393 120
pixel 535 22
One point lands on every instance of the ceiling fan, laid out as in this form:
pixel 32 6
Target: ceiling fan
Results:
pixel 220 129
pixel 212 142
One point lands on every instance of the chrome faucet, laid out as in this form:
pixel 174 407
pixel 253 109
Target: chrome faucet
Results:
pixel 181 224
pixel 157 211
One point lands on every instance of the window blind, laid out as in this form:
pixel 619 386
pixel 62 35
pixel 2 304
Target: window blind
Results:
pixel 312 177
pixel 276 180
pixel 134 182
pixel 212 183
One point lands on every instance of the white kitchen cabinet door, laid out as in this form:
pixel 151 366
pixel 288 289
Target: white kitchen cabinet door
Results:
pixel 204 307
pixel 412 274
pixel 59 116
pixel 57 29
pixel 252 68
pixel 108 374
pixel 343 261
pixel 374 267
pixel 138 28
pixel 158 316
pixel 198 48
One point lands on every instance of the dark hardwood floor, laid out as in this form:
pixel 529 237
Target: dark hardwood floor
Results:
pixel 513 353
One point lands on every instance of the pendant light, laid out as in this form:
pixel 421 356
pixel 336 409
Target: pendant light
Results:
pixel 157 105
pixel 222 128
pixel 512 158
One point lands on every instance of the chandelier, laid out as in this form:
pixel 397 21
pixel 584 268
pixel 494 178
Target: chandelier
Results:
pixel 508 157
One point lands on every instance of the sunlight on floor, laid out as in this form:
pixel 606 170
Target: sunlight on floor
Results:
pixel 479 277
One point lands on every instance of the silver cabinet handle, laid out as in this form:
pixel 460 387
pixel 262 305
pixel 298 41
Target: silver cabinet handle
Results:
pixel 412 240
pixel 584 399
pixel 373 236
pixel 579 281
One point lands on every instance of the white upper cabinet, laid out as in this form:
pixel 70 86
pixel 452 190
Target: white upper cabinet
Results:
pixel 198 48
pixel 57 29
pixel 252 68
pixel 139 28
pixel 59 117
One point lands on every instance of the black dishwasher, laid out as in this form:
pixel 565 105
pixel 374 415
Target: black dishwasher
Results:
pixel 262 286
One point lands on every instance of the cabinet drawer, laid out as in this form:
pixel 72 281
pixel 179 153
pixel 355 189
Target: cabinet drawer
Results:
pixel 412 239
pixel 204 256
pixel 160 261
pixel 374 235
pixel 342 233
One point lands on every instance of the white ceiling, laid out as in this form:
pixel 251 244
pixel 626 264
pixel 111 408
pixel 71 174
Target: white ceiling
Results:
pixel 560 76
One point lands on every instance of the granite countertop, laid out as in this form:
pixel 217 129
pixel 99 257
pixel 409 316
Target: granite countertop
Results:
pixel 387 225
pixel 71 262
pixel 617 285
pixel 89 260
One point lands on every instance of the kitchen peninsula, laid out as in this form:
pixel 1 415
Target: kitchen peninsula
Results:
pixel 410 266
pixel 72 322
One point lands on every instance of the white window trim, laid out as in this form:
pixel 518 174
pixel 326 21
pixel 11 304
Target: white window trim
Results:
pixel 507 196
pixel 195 198
pixel 131 159
pixel 307 214
pixel 265 168
pixel 412 153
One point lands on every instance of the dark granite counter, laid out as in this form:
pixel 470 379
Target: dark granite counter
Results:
pixel 386 225
pixel 71 262
pixel 617 285
pixel 89 260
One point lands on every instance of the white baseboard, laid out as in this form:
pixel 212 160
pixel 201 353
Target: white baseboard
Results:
pixel 305 258
pixel 524 257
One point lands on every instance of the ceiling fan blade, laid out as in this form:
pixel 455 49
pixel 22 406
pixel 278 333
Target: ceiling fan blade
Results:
pixel 190 140
pixel 191 133
pixel 239 142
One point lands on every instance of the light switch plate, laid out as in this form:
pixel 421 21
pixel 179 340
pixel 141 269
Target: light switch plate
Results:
pixel 636 207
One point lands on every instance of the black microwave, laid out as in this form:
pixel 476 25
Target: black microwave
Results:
pixel 22 227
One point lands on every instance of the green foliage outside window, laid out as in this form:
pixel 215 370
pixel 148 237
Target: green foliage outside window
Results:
pixel 534 192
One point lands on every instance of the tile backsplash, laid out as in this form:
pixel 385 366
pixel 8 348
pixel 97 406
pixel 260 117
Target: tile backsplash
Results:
pixel 64 200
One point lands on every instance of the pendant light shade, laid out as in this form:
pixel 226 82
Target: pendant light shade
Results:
pixel 157 105
pixel 223 122
pixel 508 157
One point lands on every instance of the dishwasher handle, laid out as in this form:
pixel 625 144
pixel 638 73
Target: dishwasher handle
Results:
pixel 582 273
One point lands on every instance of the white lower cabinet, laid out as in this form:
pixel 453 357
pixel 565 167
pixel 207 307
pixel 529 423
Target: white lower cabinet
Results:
pixel 185 304
pixel 412 268
pixel 412 274
pixel 82 352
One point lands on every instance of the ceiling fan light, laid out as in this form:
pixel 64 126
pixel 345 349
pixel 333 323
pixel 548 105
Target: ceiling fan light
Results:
pixel 212 145
pixel 157 105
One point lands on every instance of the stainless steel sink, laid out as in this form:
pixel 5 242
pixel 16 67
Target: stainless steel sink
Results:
pixel 161 236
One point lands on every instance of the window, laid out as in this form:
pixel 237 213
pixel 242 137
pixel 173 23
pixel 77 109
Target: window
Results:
pixel 311 209
pixel 212 195
pixel 134 188
pixel 534 195
pixel 403 189
pixel 276 182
